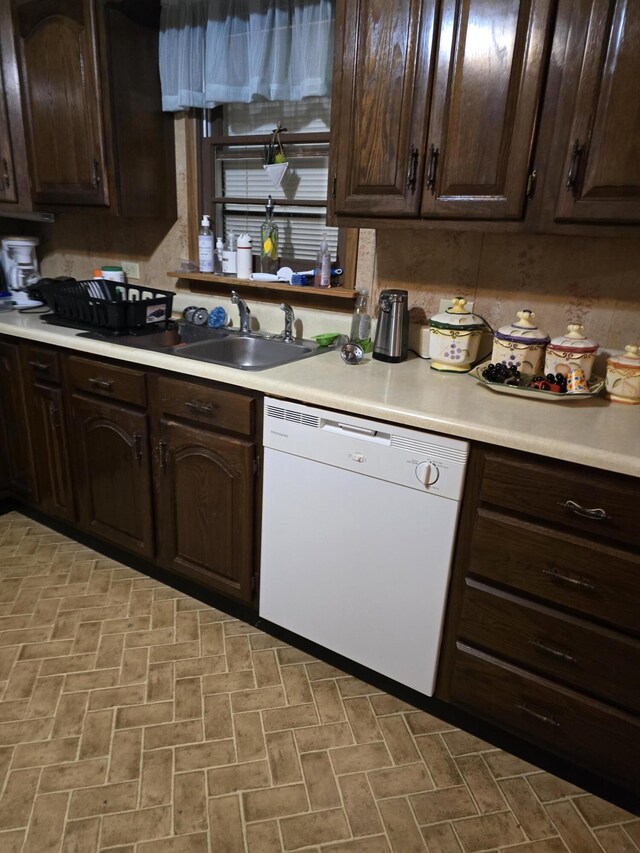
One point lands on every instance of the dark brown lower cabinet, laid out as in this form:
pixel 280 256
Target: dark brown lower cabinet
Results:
pixel 15 452
pixel 542 634
pixel 51 450
pixel 205 488
pixel 113 476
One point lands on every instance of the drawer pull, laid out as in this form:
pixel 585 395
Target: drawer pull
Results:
pixel 583 512
pixel 103 384
pixel 39 365
pixel 201 408
pixel 555 575
pixel 549 721
pixel 554 653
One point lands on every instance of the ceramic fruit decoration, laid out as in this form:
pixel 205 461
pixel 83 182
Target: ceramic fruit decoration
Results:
pixel 520 344
pixel 454 338
pixel 573 349
pixel 623 376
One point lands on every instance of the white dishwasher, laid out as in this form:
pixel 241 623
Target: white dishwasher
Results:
pixel 358 527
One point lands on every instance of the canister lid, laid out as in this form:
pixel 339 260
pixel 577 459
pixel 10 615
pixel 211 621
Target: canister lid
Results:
pixel 629 358
pixel 523 330
pixel 574 340
pixel 456 317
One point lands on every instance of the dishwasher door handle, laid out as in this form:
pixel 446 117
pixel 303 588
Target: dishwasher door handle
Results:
pixel 356 431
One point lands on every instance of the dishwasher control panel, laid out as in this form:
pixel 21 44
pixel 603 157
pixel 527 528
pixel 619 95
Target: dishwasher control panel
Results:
pixel 419 460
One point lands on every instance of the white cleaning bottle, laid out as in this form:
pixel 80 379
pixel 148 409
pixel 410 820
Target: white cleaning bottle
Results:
pixel 205 246
pixel 230 255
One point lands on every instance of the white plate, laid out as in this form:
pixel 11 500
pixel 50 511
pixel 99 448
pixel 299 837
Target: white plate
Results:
pixel 596 384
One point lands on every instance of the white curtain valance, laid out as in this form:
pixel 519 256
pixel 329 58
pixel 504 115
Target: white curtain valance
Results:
pixel 228 51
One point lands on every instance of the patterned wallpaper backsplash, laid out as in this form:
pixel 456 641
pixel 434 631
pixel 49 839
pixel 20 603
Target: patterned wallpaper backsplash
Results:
pixel 594 281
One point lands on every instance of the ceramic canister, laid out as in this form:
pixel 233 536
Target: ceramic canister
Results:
pixel 521 344
pixel 573 349
pixel 454 338
pixel 623 376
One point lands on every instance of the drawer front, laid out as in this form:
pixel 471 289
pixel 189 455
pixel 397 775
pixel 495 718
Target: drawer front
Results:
pixel 212 406
pixel 593 502
pixel 41 363
pixel 107 380
pixel 593 660
pixel 586 732
pixel 588 578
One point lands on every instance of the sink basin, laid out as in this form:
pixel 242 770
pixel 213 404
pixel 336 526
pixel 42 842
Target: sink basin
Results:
pixel 248 352
pixel 218 346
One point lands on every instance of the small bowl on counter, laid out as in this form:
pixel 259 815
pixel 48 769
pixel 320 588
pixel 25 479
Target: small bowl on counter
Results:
pixel 569 351
pixel 521 344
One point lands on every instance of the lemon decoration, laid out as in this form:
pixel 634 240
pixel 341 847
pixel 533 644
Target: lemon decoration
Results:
pixel 267 246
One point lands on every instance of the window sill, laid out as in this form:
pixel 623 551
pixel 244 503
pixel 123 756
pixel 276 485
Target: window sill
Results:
pixel 312 293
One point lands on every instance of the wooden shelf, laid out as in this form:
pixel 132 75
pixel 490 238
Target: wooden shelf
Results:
pixel 329 293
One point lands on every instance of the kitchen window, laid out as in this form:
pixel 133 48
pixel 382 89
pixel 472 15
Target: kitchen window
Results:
pixel 235 187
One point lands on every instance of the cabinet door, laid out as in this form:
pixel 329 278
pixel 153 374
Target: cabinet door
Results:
pixel 14 441
pixel 486 93
pixel 381 106
pixel 50 450
pixel 205 507
pixel 601 155
pixel 62 98
pixel 7 172
pixel 113 477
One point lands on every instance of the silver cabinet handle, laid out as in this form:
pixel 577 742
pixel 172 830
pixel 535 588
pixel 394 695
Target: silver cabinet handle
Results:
pixel 549 721
pixel 555 575
pixel 103 384
pixel 201 408
pixel 594 514
pixel 554 653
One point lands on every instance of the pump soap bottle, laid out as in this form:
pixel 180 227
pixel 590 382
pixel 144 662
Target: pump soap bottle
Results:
pixel 205 246
pixel 230 255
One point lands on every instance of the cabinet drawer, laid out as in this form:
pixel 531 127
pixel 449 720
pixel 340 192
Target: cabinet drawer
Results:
pixel 212 406
pixel 597 661
pixel 107 380
pixel 41 363
pixel 584 731
pixel 589 578
pixel 559 493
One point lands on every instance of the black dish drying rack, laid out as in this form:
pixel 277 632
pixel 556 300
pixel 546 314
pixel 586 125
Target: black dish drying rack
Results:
pixel 104 304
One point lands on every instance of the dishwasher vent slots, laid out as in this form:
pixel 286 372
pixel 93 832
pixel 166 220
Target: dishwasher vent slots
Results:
pixel 293 416
pixel 434 450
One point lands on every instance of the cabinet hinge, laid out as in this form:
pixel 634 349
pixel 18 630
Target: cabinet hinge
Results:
pixel 253 583
pixel 531 184
pixel 256 466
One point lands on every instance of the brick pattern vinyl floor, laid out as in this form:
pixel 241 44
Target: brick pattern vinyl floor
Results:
pixel 134 718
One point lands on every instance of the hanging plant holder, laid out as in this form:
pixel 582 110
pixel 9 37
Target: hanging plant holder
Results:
pixel 275 164
pixel 276 172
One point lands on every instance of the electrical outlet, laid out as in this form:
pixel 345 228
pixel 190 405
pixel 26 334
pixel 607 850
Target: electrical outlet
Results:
pixel 130 269
pixel 446 303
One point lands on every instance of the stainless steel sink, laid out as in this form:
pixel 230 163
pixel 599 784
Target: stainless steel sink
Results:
pixel 248 352
pixel 218 346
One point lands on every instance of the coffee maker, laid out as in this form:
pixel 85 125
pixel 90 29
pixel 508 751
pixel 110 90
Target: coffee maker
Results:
pixel 392 332
pixel 20 266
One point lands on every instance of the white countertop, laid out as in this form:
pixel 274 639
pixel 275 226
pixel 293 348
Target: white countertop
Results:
pixel 592 432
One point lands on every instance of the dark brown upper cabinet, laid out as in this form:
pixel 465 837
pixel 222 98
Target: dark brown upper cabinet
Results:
pixel 89 79
pixel 487 85
pixel 437 121
pixel 381 72
pixel 8 190
pixel 597 138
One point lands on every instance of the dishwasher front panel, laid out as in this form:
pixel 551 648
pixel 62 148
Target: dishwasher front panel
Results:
pixel 357 564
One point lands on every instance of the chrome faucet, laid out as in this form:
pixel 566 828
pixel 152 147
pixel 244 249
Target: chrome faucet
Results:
pixel 245 312
pixel 289 320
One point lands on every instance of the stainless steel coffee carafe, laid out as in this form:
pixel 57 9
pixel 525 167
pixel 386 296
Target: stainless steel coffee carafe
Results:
pixel 392 332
